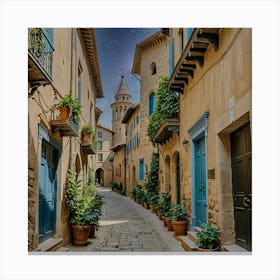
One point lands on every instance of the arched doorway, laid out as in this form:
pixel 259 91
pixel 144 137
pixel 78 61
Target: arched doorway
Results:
pixel 99 176
pixel 176 161
pixel 167 181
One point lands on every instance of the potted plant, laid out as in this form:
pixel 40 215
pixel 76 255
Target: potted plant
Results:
pixel 86 133
pixel 153 199
pixel 208 239
pixel 178 217
pixel 133 193
pixel 67 105
pixel 167 218
pixel 84 207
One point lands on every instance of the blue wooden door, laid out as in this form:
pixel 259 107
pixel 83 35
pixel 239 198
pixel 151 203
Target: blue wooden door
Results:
pixel 200 182
pixel 47 192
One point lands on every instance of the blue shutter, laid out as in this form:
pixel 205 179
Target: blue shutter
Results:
pixel 152 103
pixel 171 56
pixel 141 169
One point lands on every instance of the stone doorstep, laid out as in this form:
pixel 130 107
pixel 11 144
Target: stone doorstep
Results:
pixel 234 248
pixel 192 235
pixel 48 244
pixel 187 243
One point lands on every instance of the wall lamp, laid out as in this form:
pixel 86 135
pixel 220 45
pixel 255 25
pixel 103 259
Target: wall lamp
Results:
pixel 185 143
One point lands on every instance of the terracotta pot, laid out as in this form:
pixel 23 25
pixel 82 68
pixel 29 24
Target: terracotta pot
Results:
pixel 179 227
pixel 64 113
pixel 159 215
pixel 164 221
pixel 169 224
pixel 80 234
pixel 146 205
pixel 207 250
pixel 153 208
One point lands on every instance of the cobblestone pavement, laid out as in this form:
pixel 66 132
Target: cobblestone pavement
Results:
pixel 126 226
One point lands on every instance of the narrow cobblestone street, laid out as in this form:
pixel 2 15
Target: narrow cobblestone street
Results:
pixel 126 226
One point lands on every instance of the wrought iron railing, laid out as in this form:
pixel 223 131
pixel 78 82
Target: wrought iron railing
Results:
pixel 41 49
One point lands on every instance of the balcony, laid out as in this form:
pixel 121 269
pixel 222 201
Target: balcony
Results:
pixel 166 131
pixel 193 57
pixel 40 57
pixel 67 126
pixel 87 143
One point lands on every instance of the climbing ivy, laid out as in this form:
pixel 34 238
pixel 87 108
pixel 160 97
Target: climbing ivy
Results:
pixel 167 106
pixel 153 182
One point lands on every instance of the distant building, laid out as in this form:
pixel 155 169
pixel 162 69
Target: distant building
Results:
pixel 104 156
pixel 60 61
pixel 119 108
pixel 134 167
pixel 151 63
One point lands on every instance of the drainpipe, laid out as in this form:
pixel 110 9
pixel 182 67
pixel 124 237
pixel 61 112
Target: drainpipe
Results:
pixel 71 87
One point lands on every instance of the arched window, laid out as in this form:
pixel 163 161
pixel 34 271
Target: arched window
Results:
pixel 152 103
pixel 153 68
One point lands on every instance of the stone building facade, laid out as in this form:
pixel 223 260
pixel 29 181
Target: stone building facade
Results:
pixel 151 63
pixel 134 163
pixel 60 61
pixel 214 78
pixel 104 165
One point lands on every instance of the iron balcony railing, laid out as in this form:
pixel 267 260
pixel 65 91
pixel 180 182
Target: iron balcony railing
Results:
pixel 41 49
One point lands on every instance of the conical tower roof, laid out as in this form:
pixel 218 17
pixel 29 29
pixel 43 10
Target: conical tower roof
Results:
pixel 122 88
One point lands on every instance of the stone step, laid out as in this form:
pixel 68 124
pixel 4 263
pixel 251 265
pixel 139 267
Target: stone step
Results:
pixel 49 244
pixel 187 243
pixel 63 249
pixel 192 236
pixel 234 248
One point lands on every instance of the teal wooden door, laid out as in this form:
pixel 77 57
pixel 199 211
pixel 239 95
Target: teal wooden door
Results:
pixel 200 182
pixel 47 192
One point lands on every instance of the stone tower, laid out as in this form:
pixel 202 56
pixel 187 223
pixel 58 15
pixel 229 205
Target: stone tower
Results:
pixel 119 107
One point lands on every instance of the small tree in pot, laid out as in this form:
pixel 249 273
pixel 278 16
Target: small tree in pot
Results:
pixel 178 217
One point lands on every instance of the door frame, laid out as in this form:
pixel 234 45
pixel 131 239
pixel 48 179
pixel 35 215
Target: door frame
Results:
pixel 197 131
pixel 44 136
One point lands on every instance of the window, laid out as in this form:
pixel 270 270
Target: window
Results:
pixel 99 143
pixel 153 68
pixel 152 103
pixel 141 169
pixel 100 157
pixel 99 134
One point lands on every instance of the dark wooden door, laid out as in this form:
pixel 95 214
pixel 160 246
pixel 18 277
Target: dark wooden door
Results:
pixel 242 185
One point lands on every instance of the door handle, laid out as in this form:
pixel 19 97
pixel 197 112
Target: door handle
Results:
pixel 245 201
pixel 201 188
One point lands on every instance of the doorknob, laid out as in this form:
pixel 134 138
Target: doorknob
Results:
pixel 201 188
pixel 245 201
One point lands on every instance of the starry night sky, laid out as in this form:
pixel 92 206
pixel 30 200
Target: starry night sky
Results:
pixel 116 48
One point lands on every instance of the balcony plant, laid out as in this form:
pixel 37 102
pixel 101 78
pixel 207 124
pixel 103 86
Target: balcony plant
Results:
pixel 66 105
pixel 178 217
pixel 208 239
pixel 84 206
pixel 36 42
pixel 86 134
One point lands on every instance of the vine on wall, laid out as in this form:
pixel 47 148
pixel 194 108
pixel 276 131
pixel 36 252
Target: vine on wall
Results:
pixel 167 107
